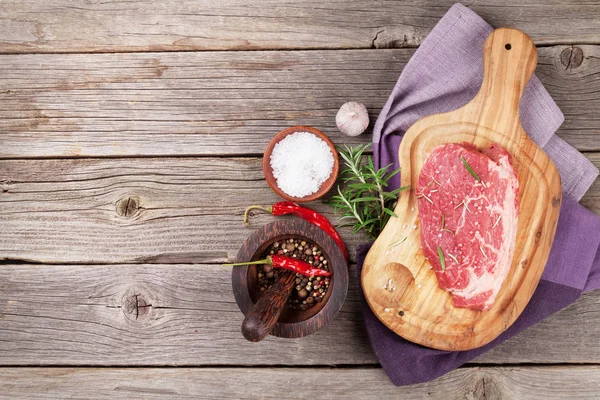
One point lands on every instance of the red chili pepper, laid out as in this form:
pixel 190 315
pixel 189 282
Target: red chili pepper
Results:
pixel 284 262
pixel 318 220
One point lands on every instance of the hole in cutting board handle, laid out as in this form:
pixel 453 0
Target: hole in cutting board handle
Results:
pixel 507 46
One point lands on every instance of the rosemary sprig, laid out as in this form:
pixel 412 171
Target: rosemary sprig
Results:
pixel 426 198
pixel 468 167
pixel 442 259
pixel 483 252
pixel 497 221
pixel 462 203
pixel 453 257
pixel 364 201
pixel 399 242
pixel 443 228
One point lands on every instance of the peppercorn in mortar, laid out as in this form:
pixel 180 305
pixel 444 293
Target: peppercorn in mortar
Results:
pixel 308 290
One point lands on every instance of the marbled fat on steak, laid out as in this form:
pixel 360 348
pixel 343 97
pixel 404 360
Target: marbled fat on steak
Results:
pixel 473 220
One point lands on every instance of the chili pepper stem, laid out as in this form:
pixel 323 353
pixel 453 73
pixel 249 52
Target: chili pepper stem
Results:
pixel 268 209
pixel 264 261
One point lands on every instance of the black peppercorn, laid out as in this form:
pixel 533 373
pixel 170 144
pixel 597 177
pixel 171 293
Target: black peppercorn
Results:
pixel 308 291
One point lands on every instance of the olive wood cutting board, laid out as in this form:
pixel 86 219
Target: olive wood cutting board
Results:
pixel 418 309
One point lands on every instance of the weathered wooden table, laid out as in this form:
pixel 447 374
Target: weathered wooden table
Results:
pixel 130 142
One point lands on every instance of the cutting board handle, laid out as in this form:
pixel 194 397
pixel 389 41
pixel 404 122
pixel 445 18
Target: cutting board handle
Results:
pixel 509 59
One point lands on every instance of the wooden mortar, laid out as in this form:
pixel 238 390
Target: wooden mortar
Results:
pixel 291 323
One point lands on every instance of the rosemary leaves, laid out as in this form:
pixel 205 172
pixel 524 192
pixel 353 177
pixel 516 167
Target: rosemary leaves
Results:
pixel 468 167
pixel 363 200
pixel 442 259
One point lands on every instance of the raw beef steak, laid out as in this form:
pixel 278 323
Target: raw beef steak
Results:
pixel 468 207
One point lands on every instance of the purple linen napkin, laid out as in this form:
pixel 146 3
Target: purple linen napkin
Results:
pixel 443 75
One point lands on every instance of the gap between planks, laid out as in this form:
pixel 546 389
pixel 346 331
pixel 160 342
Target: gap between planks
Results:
pixel 482 365
pixel 539 45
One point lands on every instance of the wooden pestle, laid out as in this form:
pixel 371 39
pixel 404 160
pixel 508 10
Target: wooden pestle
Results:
pixel 263 315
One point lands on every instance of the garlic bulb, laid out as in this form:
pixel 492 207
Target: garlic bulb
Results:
pixel 352 119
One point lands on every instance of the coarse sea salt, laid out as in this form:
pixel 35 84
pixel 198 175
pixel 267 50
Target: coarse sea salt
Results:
pixel 301 162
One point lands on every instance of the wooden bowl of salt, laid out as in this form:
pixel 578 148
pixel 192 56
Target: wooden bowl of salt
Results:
pixel 301 164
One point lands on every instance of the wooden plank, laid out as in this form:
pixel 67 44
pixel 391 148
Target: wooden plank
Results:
pixel 33 26
pixel 174 210
pixel 227 103
pixel 186 315
pixel 181 103
pixel 144 210
pixel 74 315
pixel 591 200
pixel 570 74
pixel 476 383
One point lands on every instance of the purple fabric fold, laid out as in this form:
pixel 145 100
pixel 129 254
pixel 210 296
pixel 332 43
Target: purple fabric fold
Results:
pixel 444 74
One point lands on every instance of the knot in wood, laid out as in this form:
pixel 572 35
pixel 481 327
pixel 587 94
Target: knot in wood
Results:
pixel 555 201
pixel 127 207
pixel 478 391
pixel 136 307
pixel 538 235
pixel 571 57
pixel 5 184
